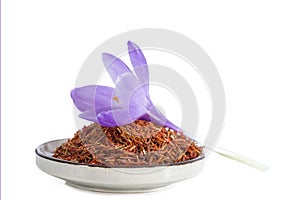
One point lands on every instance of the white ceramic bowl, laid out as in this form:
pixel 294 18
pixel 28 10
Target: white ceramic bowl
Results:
pixel 119 179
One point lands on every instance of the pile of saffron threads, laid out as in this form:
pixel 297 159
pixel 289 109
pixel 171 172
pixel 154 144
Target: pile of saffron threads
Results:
pixel 139 143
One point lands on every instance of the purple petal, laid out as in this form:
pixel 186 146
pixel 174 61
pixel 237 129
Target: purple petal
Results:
pixel 158 118
pixel 139 63
pixel 114 66
pixel 91 115
pixel 131 94
pixel 116 117
pixel 93 96
pixel 172 126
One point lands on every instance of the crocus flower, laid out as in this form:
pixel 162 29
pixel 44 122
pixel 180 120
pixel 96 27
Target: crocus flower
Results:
pixel 128 101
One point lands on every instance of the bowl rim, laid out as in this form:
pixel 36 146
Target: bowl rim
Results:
pixel 41 154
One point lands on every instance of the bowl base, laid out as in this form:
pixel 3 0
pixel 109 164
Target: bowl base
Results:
pixel 116 190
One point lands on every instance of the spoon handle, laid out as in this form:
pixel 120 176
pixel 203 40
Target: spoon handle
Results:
pixel 240 158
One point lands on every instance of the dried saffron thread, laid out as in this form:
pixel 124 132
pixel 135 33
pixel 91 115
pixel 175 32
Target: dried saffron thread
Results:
pixel 139 143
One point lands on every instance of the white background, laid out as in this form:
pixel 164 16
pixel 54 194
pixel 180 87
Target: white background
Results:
pixel 255 46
